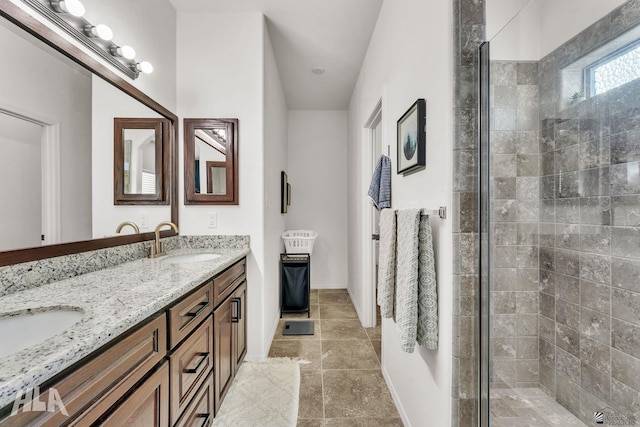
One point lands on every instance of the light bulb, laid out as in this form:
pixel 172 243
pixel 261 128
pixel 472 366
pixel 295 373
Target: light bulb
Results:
pixel 145 67
pixel 73 7
pixel 128 52
pixel 101 31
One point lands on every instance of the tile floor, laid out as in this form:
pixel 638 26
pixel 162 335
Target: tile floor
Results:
pixel 530 407
pixel 342 384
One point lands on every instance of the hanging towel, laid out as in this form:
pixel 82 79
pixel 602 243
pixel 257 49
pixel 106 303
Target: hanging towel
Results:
pixel 380 187
pixel 387 263
pixel 407 277
pixel 427 290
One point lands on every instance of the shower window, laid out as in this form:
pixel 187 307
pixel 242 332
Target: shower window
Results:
pixel 622 66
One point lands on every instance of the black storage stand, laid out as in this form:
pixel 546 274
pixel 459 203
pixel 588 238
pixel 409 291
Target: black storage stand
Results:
pixel 295 283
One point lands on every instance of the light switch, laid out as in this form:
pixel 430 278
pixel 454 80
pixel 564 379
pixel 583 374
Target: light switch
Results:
pixel 143 220
pixel 212 220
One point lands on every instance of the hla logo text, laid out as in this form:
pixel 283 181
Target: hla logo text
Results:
pixel 30 401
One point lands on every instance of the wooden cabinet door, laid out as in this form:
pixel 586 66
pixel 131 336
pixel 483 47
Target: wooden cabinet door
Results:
pixel 223 348
pixel 148 406
pixel 240 325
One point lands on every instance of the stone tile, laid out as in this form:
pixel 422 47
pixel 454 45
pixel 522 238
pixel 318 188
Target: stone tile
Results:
pixel 567 133
pixel 547 259
pixel 596 210
pixel 363 422
pixel 504 96
pixel 568 314
pixel 303 316
pixel 377 347
pixel 527 97
pixel 307 350
pixel 505 234
pixel 567 364
pixel 594 153
pixel 547 163
pixel 547 234
pixel 567 392
pixel 527 234
pixel 626 398
pixel 503 165
pixel 527 119
pixel 375 333
pixel 568 339
pixel 625 179
pixel 625 273
pixel 595 382
pixel 547 282
pixel 594 182
pixel 547 305
pixel 595 354
pixel 357 393
pixel 527 73
pixel 527 325
pixel 546 328
pixel 527 256
pixel 624 337
pixel 331 297
pixel 505 119
pixel 503 188
pixel 595 268
pixel 503 279
pixel 626 305
pixel 527 348
pixel 625 368
pixel 595 239
pixel 503 142
pixel 596 296
pixel 625 147
pixel 567 159
pixel 338 311
pixel 548 187
pixel 625 242
pixel 503 302
pixel 568 262
pixel 568 211
pixel 527 210
pixel 527 279
pixel 568 236
pixel 595 325
pixel 318 422
pixel 504 73
pixel 504 348
pixel 311 396
pixel 527 165
pixel 503 325
pixel 342 330
pixel 503 210
pixel 527 188
pixel 568 288
pixel 547 353
pixel 548 377
pixel 348 354
pixel 625 210
pixel 527 142
pixel 527 302
pixel 279 336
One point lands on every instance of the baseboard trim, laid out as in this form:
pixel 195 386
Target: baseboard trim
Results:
pixel 395 397
pixel 328 286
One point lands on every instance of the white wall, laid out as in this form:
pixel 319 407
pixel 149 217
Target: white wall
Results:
pixel 409 57
pixel 21 192
pixel 275 160
pixel 318 175
pixel 524 30
pixel 220 74
pixel 25 88
pixel 107 103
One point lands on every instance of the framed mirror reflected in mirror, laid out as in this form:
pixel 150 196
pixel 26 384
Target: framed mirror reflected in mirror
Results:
pixel 211 161
pixel 140 161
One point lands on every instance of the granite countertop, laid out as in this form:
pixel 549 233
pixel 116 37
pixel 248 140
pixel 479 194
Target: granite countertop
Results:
pixel 113 300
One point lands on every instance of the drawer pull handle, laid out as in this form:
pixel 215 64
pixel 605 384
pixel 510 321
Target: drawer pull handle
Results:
pixel 201 307
pixel 236 319
pixel 205 419
pixel 203 357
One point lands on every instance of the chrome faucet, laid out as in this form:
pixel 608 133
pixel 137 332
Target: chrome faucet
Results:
pixel 157 248
pixel 129 223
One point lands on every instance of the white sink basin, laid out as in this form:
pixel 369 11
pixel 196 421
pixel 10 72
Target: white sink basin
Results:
pixel 190 258
pixel 24 330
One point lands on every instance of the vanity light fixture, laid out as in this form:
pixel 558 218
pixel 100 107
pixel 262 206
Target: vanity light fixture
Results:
pixel 144 67
pixel 124 51
pixel 101 31
pixel 68 16
pixel 73 7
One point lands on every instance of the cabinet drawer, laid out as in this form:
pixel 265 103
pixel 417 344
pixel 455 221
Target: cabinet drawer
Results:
pixel 147 405
pixel 199 413
pixel 116 370
pixel 227 281
pixel 189 366
pixel 186 315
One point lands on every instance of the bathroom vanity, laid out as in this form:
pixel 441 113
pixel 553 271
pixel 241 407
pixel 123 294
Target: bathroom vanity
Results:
pixel 159 343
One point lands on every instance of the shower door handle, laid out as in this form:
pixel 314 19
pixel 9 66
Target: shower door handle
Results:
pixel 375 237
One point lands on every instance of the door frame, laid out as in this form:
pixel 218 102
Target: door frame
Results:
pixel 369 291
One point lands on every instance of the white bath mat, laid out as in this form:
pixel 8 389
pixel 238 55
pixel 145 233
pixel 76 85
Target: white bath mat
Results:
pixel 262 395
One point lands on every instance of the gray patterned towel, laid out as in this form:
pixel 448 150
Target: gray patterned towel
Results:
pixel 387 263
pixel 380 187
pixel 407 278
pixel 427 290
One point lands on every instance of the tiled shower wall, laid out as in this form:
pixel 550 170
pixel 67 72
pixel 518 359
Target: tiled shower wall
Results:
pixel 589 323
pixel 514 224
pixel 468 19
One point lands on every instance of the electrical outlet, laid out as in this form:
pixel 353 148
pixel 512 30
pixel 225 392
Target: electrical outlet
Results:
pixel 212 220
pixel 143 220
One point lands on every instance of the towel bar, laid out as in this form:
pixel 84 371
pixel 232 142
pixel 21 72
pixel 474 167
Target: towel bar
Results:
pixel 441 212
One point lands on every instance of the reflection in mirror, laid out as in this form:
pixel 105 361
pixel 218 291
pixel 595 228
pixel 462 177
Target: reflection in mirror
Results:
pixel 56 146
pixel 211 161
pixel 140 147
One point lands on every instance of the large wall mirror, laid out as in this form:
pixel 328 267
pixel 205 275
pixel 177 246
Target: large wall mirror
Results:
pixel 57 111
pixel 211 161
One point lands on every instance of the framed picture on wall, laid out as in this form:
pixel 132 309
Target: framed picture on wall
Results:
pixel 284 192
pixel 411 138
